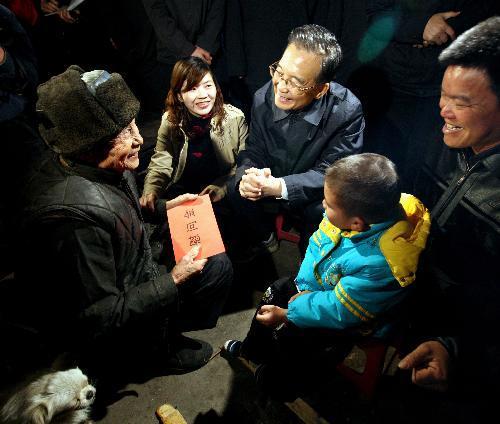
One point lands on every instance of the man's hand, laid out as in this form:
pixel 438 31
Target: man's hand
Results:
pixel 188 266
pixel 181 199
pixel 67 16
pixel 429 363
pixel 202 54
pixel 49 6
pixel 259 183
pixel 271 315
pixel 148 201
pixel 295 296
pixel 214 192
pixel 437 31
pixel 2 55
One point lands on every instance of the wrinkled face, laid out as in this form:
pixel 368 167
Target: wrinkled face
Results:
pixel 335 214
pixel 200 99
pixel 124 153
pixel 470 109
pixel 301 68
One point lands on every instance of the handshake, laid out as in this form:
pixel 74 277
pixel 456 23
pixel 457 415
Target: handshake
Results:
pixel 259 183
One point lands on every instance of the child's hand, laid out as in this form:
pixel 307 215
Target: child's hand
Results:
pixel 295 296
pixel 271 315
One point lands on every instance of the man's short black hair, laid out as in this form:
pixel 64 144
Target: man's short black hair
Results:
pixel 318 40
pixel 366 185
pixel 478 47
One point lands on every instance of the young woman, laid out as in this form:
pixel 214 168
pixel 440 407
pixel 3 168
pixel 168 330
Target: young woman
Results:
pixel 198 140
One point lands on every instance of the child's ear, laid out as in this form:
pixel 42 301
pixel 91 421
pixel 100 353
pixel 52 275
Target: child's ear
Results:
pixel 358 224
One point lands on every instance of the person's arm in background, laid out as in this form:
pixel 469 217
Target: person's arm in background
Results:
pixel 166 28
pixel 432 25
pixel 209 37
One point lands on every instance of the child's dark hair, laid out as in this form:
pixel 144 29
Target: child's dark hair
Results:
pixel 366 185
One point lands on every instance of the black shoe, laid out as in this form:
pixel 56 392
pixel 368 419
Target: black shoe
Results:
pixel 187 354
pixel 232 348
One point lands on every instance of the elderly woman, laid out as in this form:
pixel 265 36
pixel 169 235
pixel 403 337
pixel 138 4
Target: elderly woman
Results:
pixel 198 140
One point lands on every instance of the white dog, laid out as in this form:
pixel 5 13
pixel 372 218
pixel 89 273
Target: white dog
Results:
pixel 62 397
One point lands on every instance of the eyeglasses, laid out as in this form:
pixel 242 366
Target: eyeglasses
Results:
pixel 273 70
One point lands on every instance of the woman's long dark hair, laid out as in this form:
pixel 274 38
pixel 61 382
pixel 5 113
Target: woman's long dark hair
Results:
pixel 190 70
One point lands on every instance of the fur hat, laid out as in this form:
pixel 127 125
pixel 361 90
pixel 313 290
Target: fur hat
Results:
pixel 74 117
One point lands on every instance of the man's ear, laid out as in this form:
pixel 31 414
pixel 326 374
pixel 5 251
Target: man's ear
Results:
pixel 358 224
pixel 322 91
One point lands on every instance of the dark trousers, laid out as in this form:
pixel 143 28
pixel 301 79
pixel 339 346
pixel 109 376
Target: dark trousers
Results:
pixel 294 359
pixel 149 341
pixel 202 298
pixel 258 217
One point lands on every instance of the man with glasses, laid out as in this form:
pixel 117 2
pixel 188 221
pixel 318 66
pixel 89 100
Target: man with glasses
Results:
pixel 301 123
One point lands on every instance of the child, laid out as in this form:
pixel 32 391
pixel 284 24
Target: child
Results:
pixel 358 269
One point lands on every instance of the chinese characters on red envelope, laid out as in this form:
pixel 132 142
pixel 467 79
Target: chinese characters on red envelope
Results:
pixel 194 223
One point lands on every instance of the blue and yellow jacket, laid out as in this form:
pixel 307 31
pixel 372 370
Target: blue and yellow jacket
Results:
pixel 356 278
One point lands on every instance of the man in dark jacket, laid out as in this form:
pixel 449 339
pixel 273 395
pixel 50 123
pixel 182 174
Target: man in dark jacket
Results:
pixel 461 283
pixel 183 28
pixel 402 84
pixel 91 284
pixel 301 123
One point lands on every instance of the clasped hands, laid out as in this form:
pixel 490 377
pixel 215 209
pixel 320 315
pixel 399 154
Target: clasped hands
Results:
pixel 259 183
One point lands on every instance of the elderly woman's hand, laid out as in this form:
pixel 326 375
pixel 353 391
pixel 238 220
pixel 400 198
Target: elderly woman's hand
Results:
pixel 181 199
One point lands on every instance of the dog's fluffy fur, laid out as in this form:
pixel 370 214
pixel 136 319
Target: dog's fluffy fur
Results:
pixel 59 397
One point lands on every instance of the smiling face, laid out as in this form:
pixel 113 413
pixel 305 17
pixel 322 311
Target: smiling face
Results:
pixel 200 99
pixel 470 109
pixel 124 153
pixel 302 68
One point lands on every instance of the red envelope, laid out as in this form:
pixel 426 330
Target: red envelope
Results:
pixel 192 223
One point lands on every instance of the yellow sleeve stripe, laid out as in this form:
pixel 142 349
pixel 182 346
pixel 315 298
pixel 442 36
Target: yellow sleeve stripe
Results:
pixel 355 304
pixel 347 306
pixel 315 238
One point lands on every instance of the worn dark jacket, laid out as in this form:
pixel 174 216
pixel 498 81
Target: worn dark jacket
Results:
pixel 460 280
pixel 333 127
pixel 87 268
pixel 180 25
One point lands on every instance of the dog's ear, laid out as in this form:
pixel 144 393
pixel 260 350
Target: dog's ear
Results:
pixel 40 415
